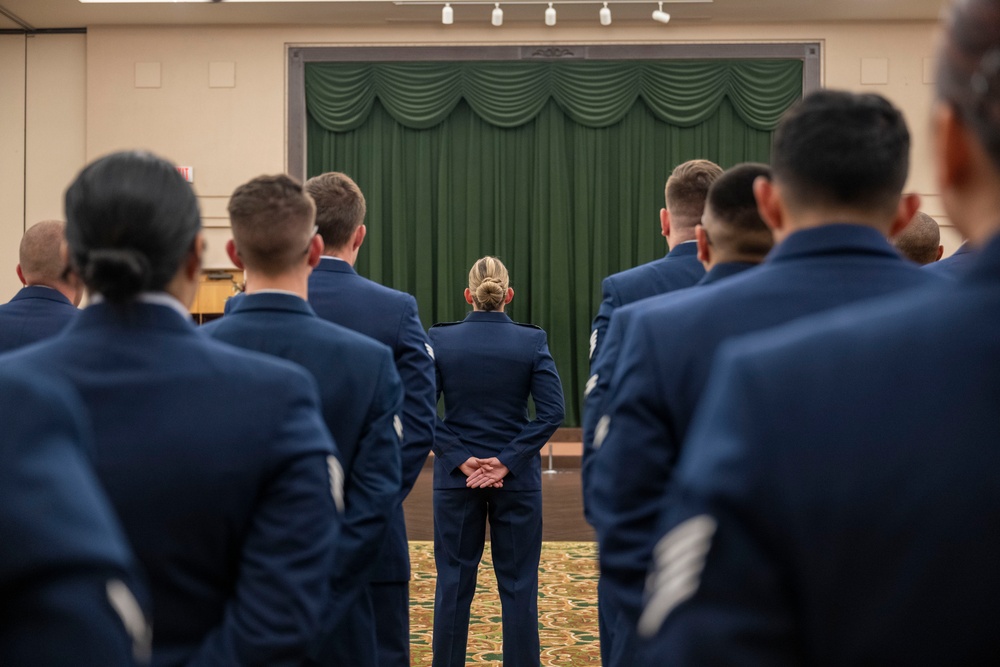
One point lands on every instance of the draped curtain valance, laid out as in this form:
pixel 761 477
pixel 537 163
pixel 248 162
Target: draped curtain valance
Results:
pixel 595 94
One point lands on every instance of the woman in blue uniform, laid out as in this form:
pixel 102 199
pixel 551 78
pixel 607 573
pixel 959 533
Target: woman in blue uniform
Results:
pixel 215 459
pixel 487 465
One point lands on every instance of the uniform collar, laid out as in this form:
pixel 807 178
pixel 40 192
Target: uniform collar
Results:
pixel 685 249
pixel 41 292
pixel 725 270
pixel 334 265
pixel 830 239
pixel 272 300
pixel 487 316
pixel 139 314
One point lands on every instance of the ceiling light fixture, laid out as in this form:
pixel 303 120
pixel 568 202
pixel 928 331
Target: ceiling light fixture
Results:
pixel 550 15
pixel 497 15
pixel 447 14
pixel 605 15
pixel 660 15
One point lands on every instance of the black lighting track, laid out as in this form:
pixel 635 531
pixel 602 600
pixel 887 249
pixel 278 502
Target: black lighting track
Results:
pixel 43 31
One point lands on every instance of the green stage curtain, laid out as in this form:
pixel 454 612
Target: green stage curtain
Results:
pixel 556 168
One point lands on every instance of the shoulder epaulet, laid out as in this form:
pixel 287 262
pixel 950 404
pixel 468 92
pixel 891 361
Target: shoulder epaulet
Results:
pixel 444 324
pixel 525 324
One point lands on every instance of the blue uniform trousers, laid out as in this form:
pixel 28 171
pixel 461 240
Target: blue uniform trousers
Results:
pixel 515 519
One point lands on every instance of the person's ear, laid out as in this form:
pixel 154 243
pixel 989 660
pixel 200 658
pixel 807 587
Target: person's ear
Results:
pixel 315 250
pixel 234 255
pixel 359 237
pixel 909 204
pixel 468 296
pixel 939 253
pixel 704 249
pixel 769 204
pixel 509 296
pixel 664 222
pixel 20 275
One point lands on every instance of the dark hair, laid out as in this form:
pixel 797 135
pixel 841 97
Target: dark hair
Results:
pixel 843 149
pixel 687 188
pixel 733 205
pixel 130 221
pixel 340 207
pixel 272 219
pixel 968 75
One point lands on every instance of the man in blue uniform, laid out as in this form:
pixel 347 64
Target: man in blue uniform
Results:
pixel 685 194
pixel 64 563
pixel 731 239
pixel 51 292
pixel 216 459
pixel 839 163
pixel 360 391
pixel 338 294
pixel 837 498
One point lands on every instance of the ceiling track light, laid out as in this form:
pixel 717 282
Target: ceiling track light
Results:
pixel 447 14
pixel 497 19
pixel 550 15
pixel 605 15
pixel 660 15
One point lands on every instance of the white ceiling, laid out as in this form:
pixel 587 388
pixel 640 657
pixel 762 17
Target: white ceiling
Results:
pixel 42 14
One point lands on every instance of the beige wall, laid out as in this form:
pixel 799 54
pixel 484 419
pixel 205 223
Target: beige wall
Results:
pixel 230 134
pixel 43 116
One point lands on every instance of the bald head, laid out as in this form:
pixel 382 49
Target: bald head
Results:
pixel 41 261
pixel 920 241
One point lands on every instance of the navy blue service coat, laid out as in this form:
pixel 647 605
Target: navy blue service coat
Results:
pixel 843 475
pixel 362 398
pixel 611 621
pixel 221 470
pixel 665 360
pixel 64 564
pixel 680 268
pixel 338 294
pixel 487 367
pixel 35 313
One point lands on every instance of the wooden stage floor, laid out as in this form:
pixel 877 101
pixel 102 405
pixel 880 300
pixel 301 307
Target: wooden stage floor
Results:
pixel 562 505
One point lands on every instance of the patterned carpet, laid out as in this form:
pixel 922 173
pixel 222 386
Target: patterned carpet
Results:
pixel 567 606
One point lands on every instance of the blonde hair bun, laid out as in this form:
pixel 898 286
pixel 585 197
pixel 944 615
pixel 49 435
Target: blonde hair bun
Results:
pixel 488 282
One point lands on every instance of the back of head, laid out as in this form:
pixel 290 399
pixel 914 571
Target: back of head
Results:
pixel 920 241
pixel 968 74
pixel 131 219
pixel 687 189
pixel 272 219
pixel 488 283
pixel 732 219
pixel 40 254
pixel 340 207
pixel 842 150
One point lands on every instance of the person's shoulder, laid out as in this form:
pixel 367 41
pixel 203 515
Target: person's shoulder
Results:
pixel 248 369
pixel 325 332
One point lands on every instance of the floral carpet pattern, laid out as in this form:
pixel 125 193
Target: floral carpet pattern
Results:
pixel 567 607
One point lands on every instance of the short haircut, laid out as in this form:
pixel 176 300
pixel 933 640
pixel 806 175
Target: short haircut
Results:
pixel 920 240
pixel 842 149
pixel 131 220
pixel 340 207
pixel 740 229
pixel 40 254
pixel 488 283
pixel 272 219
pixel 687 188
